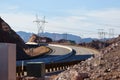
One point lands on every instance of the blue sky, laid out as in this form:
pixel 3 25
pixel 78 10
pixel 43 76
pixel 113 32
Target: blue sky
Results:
pixel 79 17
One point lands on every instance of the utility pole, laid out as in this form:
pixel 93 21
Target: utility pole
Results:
pixel 80 38
pixel 43 25
pixel 40 26
pixel 101 35
pixel 111 33
pixel 54 36
pixel 65 36
pixel 37 21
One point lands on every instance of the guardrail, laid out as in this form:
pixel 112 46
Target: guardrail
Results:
pixel 62 56
pixel 61 46
pixel 53 59
pixel 49 68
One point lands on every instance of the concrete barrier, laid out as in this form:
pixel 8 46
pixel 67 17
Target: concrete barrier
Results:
pixel 54 59
pixel 36 69
pixel 7 61
pixel 50 59
pixel 61 46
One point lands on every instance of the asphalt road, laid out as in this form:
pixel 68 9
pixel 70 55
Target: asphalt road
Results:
pixel 83 51
pixel 50 57
pixel 59 51
pixel 80 53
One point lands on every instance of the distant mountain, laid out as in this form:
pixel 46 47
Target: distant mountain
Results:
pixel 55 36
pixel 87 40
pixel 24 35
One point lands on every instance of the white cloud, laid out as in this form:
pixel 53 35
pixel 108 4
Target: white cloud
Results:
pixel 15 7
pixel 20 22
pixel 87 24
pixel 8 8
pixel 107 16
pixel 90 22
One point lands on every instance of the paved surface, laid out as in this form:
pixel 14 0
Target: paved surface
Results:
pixel 83 50
pixel 56 53
pixel 81 53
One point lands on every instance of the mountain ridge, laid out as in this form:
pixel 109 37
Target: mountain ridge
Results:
pixel 56 36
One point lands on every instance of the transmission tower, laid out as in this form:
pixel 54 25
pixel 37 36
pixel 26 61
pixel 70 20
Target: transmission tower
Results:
pixel 54 36
pixel 101 34
pixel 40 25
pixel 111 33
pixel 65 35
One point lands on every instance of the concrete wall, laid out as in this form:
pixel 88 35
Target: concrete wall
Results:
pixel 36 69
pixel 7 61
pixel 61 46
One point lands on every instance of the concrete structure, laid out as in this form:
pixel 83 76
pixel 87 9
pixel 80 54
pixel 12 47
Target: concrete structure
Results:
pixel 58 53
pixel 7 61
pixel 36 69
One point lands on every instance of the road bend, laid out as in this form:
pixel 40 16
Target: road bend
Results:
pixel 81 53
pixel 56 54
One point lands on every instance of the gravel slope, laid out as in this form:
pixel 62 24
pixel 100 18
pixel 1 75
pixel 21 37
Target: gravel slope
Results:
pixel 104 66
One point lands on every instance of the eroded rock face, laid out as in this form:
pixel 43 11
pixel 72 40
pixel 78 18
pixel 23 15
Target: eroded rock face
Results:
pixel 7 35
pixel 33 38
pixel 37 39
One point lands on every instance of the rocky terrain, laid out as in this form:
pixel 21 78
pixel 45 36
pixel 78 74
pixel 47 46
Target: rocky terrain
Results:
pixel 97 44
pixel 36 38
pixel 105 66
pixel 7 35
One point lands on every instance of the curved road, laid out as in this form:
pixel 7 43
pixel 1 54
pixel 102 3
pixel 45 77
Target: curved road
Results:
pixel 80 53
pixel 56 53
pixel 83 51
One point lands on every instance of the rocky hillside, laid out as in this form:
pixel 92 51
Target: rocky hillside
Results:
pixel 7 35
pixel 97 44
pixel 36 38
pixel 105 66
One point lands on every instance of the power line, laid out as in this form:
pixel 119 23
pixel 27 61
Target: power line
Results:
pixel 65 36
pixel 101 34
pixel 111 33
pixel 40 25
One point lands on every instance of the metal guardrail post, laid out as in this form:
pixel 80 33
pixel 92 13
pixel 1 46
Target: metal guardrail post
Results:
pixel 48 68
